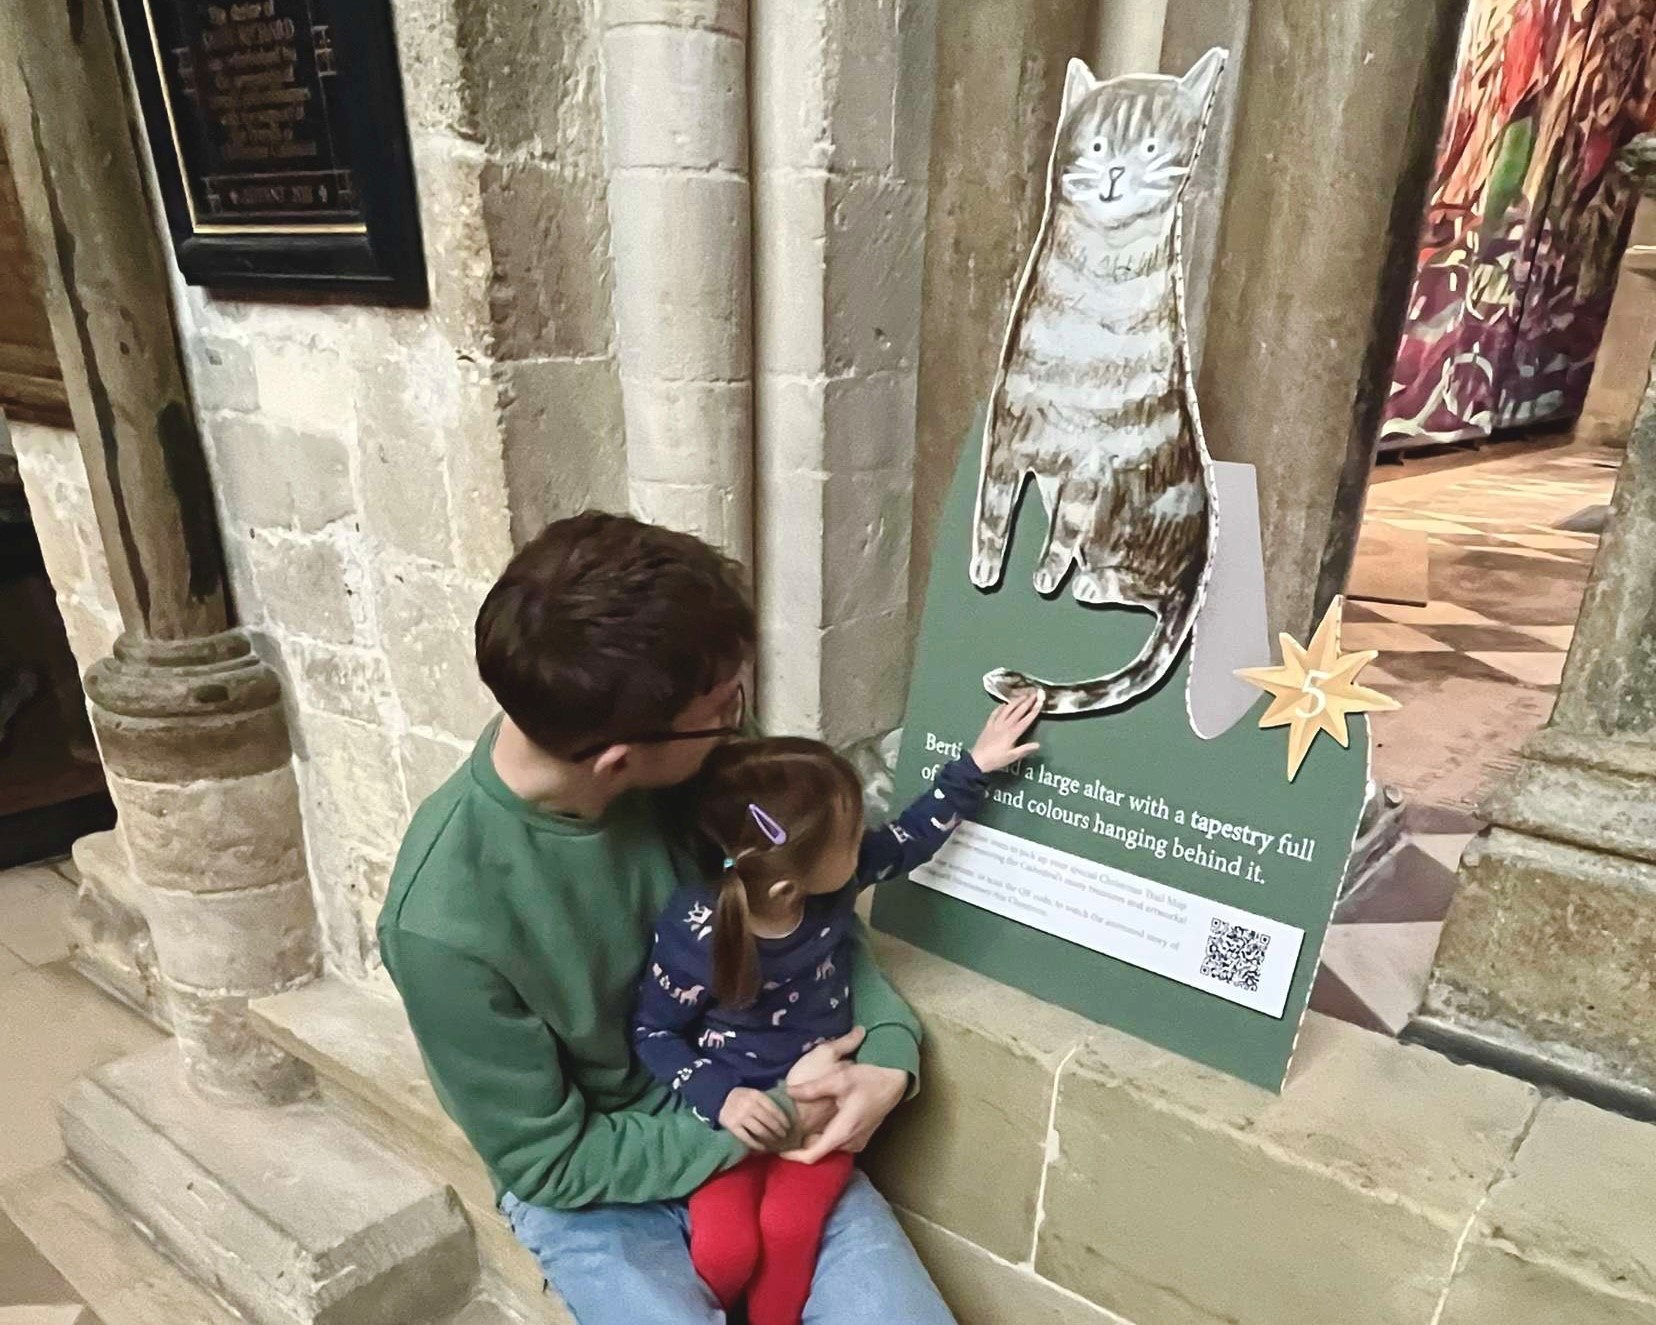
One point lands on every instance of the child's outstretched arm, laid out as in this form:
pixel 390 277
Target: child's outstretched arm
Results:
pixel 919 833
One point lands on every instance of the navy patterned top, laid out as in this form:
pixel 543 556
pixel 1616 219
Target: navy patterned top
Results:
pixel 703 1050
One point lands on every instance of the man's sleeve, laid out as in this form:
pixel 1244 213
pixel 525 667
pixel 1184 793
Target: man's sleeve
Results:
pixel 497 1070
pixel 893 1029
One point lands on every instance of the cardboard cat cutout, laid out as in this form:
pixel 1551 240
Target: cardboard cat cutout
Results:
pixel 1093 396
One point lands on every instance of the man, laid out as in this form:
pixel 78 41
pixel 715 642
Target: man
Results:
pixel 519 918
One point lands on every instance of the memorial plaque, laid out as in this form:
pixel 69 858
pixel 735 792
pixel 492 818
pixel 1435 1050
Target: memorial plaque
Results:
pixel 278 134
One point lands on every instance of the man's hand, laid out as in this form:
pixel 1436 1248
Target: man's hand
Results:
pixel 824 1058
pixel 813 1115
pixel 754 1119
pixel 862 1095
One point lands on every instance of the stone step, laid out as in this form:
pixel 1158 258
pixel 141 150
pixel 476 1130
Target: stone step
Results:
pixel 358 1042
pixel 486 1310
pixel 122 1278
pixel 288 1214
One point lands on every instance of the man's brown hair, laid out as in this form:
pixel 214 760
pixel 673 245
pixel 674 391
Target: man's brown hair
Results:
pixel 604 628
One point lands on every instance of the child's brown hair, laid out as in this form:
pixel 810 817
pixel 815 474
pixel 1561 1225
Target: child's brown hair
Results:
pixel 770 807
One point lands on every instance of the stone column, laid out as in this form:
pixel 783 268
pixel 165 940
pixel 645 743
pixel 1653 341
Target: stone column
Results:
pixel 1191 28
pixel 1548 956
pixel 842 113
pixel 675 98
pixel 188 718
pixel 1000 74
pixel 1338 112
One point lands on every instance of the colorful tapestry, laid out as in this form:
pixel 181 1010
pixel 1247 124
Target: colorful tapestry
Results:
pixel 1527 220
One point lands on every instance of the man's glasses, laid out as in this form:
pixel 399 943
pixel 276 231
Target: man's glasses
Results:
pixel 734 727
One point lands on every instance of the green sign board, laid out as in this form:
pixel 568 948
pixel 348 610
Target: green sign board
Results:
pixel 1175 887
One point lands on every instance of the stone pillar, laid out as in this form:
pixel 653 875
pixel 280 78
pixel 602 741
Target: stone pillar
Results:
pixel 1000 73
pixel 1191 28
pixel 189 720
pixel 196 746
pixel 842 113
pixel 1546 963
pixel 1338 112
pixel 675 96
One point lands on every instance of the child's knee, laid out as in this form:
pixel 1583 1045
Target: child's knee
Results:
pixel 727 1254
pixel 789 1225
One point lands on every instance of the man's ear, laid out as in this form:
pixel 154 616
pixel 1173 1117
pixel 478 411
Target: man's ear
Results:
pixel 613 762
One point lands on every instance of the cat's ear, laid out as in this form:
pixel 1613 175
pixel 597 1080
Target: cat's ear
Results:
pixel 1078 81
pixel 1203 77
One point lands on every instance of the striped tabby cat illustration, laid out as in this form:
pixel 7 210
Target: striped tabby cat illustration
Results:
pixel 1093 396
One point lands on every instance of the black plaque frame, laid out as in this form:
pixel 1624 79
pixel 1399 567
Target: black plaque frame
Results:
pixel 383 260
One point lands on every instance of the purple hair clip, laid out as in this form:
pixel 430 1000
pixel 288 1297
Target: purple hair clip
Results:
pixel 768 826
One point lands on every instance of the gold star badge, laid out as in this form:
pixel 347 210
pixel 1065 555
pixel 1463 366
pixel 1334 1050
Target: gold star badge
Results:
pixel 1316 688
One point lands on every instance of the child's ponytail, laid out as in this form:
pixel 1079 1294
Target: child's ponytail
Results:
pixel 735 954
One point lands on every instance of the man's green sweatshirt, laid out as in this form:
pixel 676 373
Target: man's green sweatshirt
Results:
pixel 516 938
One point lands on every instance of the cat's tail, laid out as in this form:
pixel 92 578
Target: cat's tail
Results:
pixel 1173 626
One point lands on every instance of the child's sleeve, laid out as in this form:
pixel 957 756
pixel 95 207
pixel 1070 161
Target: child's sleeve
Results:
pixel 672 995
pixel 919 833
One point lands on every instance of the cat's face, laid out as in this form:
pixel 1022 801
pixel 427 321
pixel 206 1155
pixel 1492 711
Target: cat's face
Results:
pixel 1125 147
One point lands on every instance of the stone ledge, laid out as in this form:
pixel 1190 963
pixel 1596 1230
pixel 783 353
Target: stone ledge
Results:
pixel 359 1044
pixel 991 1063
pixel 1574 1227
pixel 1173 1195
pixel 983 1289
pixel 123 1279
pixel 285 1212
pixel 1055 1171
pixel 368 1065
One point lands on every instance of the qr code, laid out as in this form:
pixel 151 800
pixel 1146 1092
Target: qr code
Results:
pixel 1234 955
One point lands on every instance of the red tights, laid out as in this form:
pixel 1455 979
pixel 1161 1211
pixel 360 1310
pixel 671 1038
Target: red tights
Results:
pixel 758 1227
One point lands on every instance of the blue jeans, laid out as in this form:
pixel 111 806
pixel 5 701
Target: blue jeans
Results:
pixel 630 1264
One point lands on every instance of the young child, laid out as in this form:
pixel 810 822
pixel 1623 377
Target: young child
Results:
pixel 748 976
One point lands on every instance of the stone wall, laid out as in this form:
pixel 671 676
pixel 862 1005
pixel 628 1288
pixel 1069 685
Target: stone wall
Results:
pixel 1384 1186
pixel 372 466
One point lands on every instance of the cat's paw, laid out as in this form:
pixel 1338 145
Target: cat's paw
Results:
pixel 985 569
pixel 1088 588
pixel 1048 578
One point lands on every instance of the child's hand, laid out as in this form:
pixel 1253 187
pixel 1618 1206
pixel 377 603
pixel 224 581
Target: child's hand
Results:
pixel 999 745
pixel 754 1119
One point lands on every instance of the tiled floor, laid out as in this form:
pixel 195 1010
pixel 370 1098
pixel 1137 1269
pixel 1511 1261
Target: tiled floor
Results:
pixel 1476 670
pixel 54 1027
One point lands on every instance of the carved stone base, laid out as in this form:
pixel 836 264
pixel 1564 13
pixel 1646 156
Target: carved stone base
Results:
pixel 110 940
pixel 196 747
pixel 1546 956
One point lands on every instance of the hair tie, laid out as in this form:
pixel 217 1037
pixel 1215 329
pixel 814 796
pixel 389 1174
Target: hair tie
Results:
pixel 729 863
pixel 768 826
